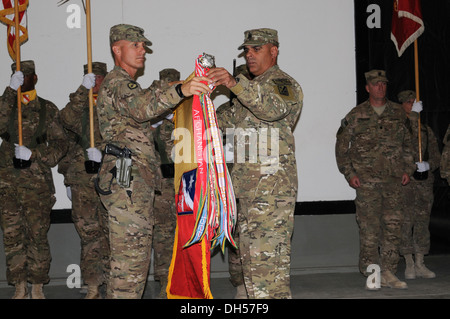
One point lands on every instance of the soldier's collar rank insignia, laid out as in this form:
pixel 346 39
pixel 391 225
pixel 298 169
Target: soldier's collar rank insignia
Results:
pixel 132 85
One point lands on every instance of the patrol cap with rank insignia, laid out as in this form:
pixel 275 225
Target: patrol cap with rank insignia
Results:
pixel 375 76
pixel 127 32
pixel 26 67
pixel 260 36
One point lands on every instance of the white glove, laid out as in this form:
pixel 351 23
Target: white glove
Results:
pixel 422 166
pixel 69 192
pixel 89 81
pixel 1 141
pixel 157 124
pixel 94 154
pixel 417 106
pixel 22 152
pixel 16 80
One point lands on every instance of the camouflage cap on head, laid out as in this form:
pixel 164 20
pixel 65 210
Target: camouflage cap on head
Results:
pixel 127 32
pixel 260 37
pixel 27 67
pixel 404 96
pixel 98 68
pixel 375 76
pixel 171 75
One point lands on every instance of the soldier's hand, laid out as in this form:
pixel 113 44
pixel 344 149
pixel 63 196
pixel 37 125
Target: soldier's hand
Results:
pixel 422 166
pixel 22 152
pixel 405 179
pixel 195 86
pixel 220 76
pixel 354 182
pixel 16 80
pixel 94 154
pixel 89 81
pixel 417 106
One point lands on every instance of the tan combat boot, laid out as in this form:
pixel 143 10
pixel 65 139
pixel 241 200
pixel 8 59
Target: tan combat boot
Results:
pixel 421 270
pixel 388 279
pixel 21 291
pixel 410 271
pixel 36 291
pixel 241 292
pixel 92 292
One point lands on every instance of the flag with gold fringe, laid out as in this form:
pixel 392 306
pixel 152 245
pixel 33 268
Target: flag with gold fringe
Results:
pixel 8 17
pixel 205 200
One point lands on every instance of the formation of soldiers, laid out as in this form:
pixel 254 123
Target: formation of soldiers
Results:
pixel 122 210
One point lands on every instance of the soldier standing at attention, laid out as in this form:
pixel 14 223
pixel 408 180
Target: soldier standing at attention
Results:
pixel 88 213
pixel 27 193
pixel 271 104
pixel 419 195
pixel 124 112
pixel 374 153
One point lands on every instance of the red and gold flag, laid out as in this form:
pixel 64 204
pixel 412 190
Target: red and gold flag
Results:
pixel 407 23
pixel 8 17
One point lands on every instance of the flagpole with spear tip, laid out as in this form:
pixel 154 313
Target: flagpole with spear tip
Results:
pixel 19 91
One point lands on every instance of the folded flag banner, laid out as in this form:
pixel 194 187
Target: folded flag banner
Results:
pixel 7 17
pixel 205 200
pixel 407 23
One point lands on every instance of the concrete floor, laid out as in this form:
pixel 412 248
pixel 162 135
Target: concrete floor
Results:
pixel 342 285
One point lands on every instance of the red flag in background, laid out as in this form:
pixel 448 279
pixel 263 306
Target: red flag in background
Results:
pixel 407 23
pixel 8 18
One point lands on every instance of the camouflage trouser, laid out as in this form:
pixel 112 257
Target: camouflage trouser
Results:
pixel 130 222
pixel 165 216
pixel 265 231
pixel 25 221
pixel 234 261
pixel 90 218
pixel 418 204
pixel 379 215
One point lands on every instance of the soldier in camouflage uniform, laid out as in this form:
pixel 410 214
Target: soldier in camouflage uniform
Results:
pixel 267 108
pixel 419 193
pixel 27 194
pixel 373 152
pixel 164 206
pixel 124 111
pixel 445 158
pixel 88 213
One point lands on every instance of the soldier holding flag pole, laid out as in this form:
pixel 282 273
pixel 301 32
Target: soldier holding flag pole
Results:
pixel 27 192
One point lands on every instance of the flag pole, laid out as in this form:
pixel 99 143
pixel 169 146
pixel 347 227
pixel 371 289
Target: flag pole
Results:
pixel 416 69
pixel 89 56
pixel 19 91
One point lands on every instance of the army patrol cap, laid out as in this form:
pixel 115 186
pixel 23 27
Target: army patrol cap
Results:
pixel 27 67
pixel 171 75
pixel 375 76
pixel 98 68
pixel 260 37
pixel 129 33
pixel 406 95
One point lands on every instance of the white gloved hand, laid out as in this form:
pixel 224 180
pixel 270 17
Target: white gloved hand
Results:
pixel 16 80
pixel 22 152
pixel 1 141
pixel 69 192
pixel 94 154
pixel 89 81
pixel 417 106
pixel 157 124
pixel 422 166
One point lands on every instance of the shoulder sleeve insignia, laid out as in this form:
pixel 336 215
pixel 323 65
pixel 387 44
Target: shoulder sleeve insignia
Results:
pixel 283 87
pixel 132 85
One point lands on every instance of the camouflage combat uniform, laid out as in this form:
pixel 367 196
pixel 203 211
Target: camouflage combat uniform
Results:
pixel 124 112
pixel 88 213
pixel 445 158
pixel 419 195
pixel 27 195
pixel 266 183
pixel 377 149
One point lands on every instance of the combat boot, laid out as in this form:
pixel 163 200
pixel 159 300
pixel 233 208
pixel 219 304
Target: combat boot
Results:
pixel 388 279
pixel 21 291
pixel 92 292
pixel 36 291
pixel 410 271
pixel 421 270
pixel 241 292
